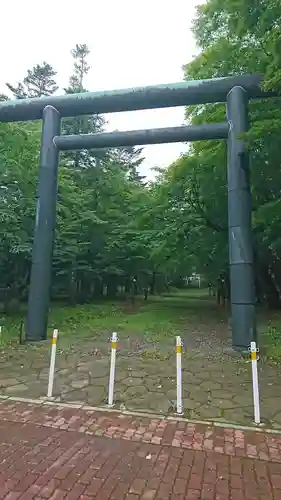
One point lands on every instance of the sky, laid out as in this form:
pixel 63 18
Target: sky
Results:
pixel 132 44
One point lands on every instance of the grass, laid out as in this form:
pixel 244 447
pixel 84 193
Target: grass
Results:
pixel 271 337
pixel 158 319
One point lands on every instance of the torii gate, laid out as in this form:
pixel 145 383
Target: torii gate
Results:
pixel 234 90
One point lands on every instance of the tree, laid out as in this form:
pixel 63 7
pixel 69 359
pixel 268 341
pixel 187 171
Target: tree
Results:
pixel 19 156
pixel 129 159
pixel 110 226
pixel 38 82
pixel 81 69
pixel 81 124
pixel 234 37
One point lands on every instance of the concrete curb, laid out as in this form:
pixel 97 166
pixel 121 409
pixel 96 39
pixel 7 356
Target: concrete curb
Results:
pixel 210 423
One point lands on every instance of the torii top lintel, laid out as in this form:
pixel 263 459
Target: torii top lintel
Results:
pixel 157 96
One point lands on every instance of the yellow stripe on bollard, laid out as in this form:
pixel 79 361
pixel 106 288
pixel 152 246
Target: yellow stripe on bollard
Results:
pixel 54 341
pixel 178 349
pixel 113 345
pixel 253 356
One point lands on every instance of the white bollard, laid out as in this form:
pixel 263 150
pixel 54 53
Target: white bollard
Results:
pixel 52 364
pixel 112 368
pixel 256 396
pixel 179 375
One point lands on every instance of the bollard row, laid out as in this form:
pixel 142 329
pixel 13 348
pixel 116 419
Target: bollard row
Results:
pixel 179 345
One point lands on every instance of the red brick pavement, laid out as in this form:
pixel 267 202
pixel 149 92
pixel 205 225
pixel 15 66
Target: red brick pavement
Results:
pixel 55 453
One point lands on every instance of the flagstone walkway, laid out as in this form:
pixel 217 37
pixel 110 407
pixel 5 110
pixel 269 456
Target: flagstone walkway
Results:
pixel 216 386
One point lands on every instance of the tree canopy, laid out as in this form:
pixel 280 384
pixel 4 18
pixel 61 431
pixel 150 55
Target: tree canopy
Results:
pixel 234 37
pixel 112 226
pixel 101 243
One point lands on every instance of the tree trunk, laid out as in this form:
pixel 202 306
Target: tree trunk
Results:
pixel 153 283
pixel 111 288
pixel 72 289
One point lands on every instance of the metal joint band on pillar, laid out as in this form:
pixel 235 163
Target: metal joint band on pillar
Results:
pixel 44 232
pixel 240 225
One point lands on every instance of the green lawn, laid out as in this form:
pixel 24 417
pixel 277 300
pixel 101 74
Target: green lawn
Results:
pixel 270 333
pixel 158 319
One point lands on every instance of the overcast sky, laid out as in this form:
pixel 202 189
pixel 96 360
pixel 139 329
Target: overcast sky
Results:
pixel 132 44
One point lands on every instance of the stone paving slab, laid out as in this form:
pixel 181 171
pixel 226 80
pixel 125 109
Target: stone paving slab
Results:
pixel 55 453
pixel 216 386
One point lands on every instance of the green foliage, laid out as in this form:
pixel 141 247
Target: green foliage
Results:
pixel 38 82
pixel 19 155
pixel 155 322
pixel 111 226
pixel 234 37
pixel 106 232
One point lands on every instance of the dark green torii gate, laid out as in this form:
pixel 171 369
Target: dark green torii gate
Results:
pixel 234 90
